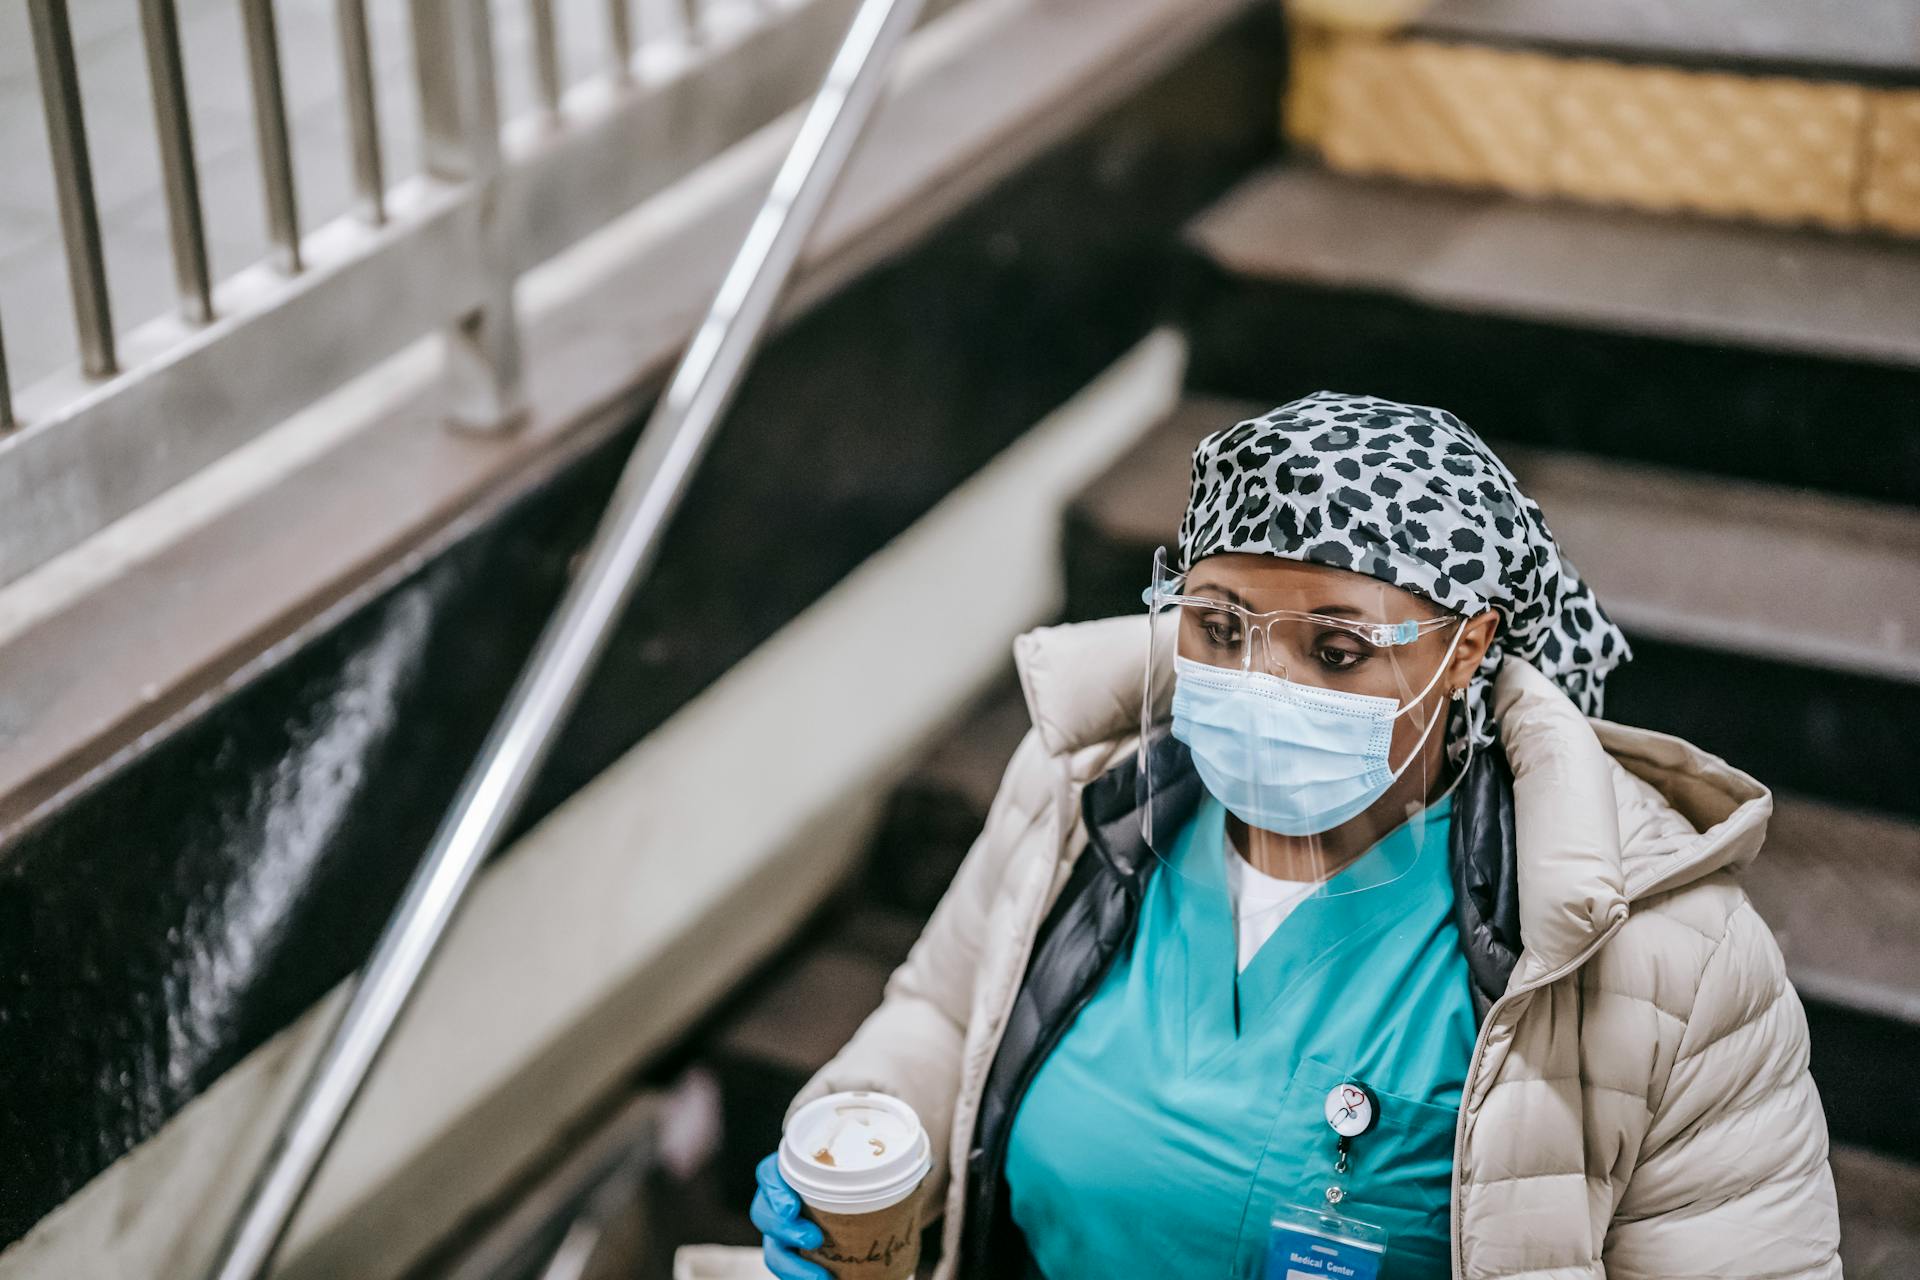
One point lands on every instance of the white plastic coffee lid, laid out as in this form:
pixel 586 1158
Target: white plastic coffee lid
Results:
pixel 856 1152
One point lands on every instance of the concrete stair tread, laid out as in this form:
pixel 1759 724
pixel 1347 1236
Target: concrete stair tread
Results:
pixel 798 1018
pixel 1801 292
pixel 970 763
pixel 1716 563
pixel 932 818
pixel 1726 564
pixel 798 1012
pixel 1140 498
pixel 1841 889
pixel 1879 1214
pixel 1866 39
pixel 881 933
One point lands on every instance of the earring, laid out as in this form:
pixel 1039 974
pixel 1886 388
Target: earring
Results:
pixel 1458 694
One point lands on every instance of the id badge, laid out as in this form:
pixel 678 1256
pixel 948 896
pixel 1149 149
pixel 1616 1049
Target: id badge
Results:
pixel 1317 1244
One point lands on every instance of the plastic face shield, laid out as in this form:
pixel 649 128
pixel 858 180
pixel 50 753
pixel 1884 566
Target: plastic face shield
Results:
pixel 1286 729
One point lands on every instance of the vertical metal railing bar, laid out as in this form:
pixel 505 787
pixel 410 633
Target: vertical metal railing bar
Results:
pixel 73 184
pixel 7 422
pixel 546 55
pixel 270 131
pixel 442 149
pixel 180 177
pixel 621 553
pixel 363 118
pixel 620 38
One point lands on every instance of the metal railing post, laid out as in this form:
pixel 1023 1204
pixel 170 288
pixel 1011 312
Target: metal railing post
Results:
pixel 363 117
pixel 620 39
pixel 270 131
pixel 546 56
pixel 622 551
pixel 73 184
pixel 7 422
pixel 160 31
pixel 460 130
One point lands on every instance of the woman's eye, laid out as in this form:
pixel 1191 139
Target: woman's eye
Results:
pixel 1220 630
pixel 1338 657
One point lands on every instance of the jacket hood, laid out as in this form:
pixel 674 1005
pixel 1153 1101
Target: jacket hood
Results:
pixel 1605 814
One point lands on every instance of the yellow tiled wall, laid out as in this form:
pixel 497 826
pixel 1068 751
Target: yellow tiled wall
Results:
pixel 1891 198
pixel 1659 138
pixel 1779 150
pixel 1445 113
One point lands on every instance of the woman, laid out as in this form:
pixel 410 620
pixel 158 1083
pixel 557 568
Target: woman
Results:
pixel 1318 897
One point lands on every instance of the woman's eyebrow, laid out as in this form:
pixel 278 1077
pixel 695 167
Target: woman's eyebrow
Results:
pixel 1225 593
pixel 1216 590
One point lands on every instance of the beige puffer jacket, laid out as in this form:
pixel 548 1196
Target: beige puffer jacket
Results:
pixel 1638 1104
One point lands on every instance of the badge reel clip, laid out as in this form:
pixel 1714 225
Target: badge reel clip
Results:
pixel 1319 1241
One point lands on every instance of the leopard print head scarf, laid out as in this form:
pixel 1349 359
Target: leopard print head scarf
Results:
pixel 1409 495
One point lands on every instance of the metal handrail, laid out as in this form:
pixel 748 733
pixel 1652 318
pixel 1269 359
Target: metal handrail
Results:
pixel 436 254
pixel 623 549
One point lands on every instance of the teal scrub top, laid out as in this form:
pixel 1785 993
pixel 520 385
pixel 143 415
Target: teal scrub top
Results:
pixel 1187 1101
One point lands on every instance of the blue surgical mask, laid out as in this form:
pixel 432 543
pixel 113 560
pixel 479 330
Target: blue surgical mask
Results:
pixel 1284 756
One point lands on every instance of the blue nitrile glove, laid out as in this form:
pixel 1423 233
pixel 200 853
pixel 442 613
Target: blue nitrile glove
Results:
pixel 776 1211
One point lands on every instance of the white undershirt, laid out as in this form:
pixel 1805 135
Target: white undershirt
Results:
pixel 1260 901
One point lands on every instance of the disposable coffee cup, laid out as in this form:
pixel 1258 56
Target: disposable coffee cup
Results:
pixel 856 1160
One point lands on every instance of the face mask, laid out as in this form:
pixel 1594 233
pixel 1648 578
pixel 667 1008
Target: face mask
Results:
pixel 1284 756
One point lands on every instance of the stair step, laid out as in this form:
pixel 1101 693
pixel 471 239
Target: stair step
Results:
pixel 871 928
pixel 1774 573
pixel 789 1026
pixel 801 1015
pixel 1781 356
pixel 932 818
pixel 1112 528
pixel 810 1002
pixel 1877 40
pixel 1841 890
pixel 1779 628
pixel 1784 291
pixel 1879 1214
pixel 1776 627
